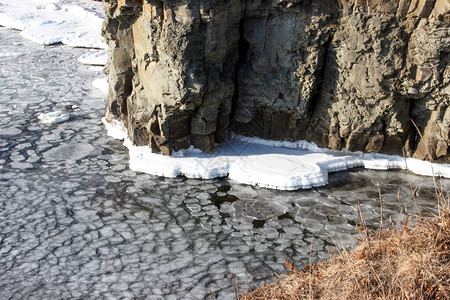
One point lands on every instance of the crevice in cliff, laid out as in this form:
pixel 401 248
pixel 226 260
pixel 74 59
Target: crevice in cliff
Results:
pixel 444 57
pixel 242 53
pixel 413 136
pixel 313 103
pixel 405 57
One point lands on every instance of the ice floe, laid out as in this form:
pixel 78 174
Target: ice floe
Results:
pixel 54 117
pixel 273 164
pixel 10 131
pixel 69 152
pixel 94 57
pixel 74 23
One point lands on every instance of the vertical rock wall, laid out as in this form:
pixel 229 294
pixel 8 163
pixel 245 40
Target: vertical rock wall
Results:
pixel 368 75
pixel 386 73
pixel 171 69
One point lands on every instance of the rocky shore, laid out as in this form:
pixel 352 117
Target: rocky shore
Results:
pixel 362 75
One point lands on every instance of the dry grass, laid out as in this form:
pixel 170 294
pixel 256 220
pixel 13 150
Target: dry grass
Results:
pixel 403 262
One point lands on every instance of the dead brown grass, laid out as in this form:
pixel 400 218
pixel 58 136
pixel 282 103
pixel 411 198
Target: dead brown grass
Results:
pixel 401 262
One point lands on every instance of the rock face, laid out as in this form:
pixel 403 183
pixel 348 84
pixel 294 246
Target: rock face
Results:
pixel 368 75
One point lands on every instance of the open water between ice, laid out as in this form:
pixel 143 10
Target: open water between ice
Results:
pixel 75 222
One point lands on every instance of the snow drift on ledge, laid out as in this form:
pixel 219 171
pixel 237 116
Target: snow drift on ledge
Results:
pixel 272 164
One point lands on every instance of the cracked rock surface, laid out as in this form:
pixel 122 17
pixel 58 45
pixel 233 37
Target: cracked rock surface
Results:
pixel 361 75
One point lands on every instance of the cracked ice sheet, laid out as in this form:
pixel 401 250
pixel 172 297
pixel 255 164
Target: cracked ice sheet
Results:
pixel 71 22
pixel 271 164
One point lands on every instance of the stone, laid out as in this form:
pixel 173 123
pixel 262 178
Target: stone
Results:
pixel 342 74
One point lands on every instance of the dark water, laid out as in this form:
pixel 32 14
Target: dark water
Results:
pixel 75 222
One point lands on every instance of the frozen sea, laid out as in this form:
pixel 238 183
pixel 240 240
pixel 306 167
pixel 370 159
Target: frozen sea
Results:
pixel 76 222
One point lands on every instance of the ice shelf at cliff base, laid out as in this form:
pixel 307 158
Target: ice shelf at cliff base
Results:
pixel 271 164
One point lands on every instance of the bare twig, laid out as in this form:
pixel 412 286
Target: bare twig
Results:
pixel 406 222
pixel 381 206
pixel 235 287
pixel 310 294
pixel 361 218
pixel 413 191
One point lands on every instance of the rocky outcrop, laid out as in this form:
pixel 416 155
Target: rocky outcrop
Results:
pixel 385 79
pixel 368 75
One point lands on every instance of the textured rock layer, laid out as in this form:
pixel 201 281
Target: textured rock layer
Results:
pixel 369 75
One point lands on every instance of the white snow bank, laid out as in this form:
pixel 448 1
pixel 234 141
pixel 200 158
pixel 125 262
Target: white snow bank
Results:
pixel 272 164
pixel 76 23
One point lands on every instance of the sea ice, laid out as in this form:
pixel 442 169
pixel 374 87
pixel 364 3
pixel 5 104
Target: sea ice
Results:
pixel 54 117
pixel 94 58
pixel 115 129
pixel 101 84
pixel 21 165
pixel 10 131
pixel 45 223
pixel 273 164
pixel 68 152
pixel 71 22
pixel 8 54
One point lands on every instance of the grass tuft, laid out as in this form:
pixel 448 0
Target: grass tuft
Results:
pixel 398 262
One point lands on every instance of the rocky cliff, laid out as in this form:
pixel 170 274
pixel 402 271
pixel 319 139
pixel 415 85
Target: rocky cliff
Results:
pixel 369 75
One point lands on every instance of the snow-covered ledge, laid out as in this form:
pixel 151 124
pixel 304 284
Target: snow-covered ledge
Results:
pixel 272 164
